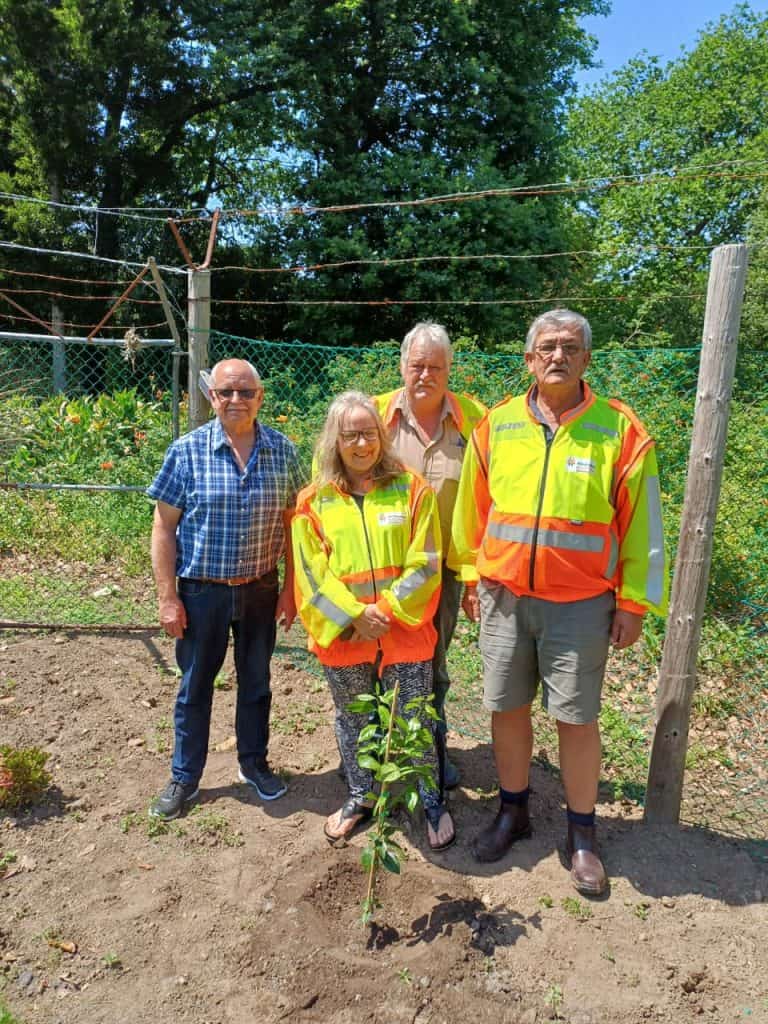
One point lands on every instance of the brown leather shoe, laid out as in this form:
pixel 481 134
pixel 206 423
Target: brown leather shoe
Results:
pixel 510 824
pixel 587 871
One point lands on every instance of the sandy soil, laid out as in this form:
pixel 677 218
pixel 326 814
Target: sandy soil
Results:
pixel 241 912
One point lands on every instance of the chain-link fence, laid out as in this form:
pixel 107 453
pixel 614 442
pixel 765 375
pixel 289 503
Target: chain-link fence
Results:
pixel 119 436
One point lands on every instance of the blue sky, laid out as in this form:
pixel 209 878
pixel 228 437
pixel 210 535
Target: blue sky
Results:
pixel 662 27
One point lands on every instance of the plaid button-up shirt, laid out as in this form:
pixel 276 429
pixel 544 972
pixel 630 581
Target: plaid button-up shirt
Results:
pixel 232 521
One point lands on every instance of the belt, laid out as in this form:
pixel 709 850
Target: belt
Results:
pixel 236 581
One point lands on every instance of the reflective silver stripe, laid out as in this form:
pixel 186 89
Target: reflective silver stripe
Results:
pixel 367 588
pixel 308 573
pixel 330 610
pixel 571 541
pixel 613 556
pixel 410 584
pixel 518 534
pixel 361 590
pixel 600 428
pixel 548 538
pixel 321 602
pixel 654 584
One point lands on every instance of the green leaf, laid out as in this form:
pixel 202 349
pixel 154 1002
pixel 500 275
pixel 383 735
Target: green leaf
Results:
pixel 388 772
pixel 391 862
pixel 362 704
pixel 369 762
pixel 368 732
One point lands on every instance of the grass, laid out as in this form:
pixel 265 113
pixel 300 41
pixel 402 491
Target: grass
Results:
pixel 50 596
pixel 6 1017
pixel 575 908
pixel 298 720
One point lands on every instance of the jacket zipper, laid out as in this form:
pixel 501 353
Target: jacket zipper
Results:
pixel 548 439
pixel 370 558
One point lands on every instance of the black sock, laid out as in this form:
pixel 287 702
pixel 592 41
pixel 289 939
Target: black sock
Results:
pixel 585 820
pixel 520 799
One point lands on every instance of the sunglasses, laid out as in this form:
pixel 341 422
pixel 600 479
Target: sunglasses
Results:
pixel 226 393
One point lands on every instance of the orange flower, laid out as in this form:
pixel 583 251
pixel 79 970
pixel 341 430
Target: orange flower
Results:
pixel 73 417
pixel 281 419
pixel 108 465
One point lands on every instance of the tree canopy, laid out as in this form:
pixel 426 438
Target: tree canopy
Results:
pixel 192 105
pixel 691 141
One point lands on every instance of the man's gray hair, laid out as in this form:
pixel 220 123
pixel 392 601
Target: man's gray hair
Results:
pixel 559 318
pixel 432 334
pixel 251 367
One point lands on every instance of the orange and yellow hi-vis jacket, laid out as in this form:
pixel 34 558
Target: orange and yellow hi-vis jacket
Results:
pixel 388 553
pixel 566 519
pixel 466 411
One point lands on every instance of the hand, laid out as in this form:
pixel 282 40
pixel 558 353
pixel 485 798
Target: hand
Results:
pixel 626 628
pixel 371 624
pixel 173 616
pixel 285 612
pixel 470 602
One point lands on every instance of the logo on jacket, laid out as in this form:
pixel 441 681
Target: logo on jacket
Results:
pixel 391 518
pixel 575 465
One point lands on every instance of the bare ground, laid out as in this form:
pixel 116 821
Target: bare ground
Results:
pixel 241 912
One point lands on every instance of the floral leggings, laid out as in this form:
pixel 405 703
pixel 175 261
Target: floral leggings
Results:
pixel 349 681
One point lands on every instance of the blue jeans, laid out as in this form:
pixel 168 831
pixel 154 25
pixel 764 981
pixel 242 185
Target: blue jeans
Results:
pixel 212 609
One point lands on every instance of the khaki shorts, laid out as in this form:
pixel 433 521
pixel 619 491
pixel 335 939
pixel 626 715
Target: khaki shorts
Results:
pixel 565 644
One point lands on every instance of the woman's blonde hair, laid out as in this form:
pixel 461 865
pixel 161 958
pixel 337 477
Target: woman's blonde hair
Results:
pixel 330 468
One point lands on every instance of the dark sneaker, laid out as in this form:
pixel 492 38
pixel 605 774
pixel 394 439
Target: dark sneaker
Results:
pixel 268 785
pixel 174 799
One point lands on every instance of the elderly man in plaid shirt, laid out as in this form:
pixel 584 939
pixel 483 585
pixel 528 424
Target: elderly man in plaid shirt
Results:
pixel 225 495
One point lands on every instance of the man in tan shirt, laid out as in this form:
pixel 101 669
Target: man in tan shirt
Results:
pixel 430 427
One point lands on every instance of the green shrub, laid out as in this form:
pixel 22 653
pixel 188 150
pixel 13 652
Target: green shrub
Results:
pixel 23 778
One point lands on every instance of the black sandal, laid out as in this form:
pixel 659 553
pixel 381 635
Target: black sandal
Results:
pixel 351 808
pixel 433 816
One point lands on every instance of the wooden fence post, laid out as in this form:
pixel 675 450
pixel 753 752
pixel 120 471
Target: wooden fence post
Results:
pixel 199 320
pixel 677 676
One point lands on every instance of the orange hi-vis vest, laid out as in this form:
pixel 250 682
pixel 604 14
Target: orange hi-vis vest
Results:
pixel 566 519
pixel 466 411
pixel 387 553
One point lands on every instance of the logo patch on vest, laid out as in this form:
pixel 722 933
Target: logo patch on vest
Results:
pixel 391 518
pixel 574 465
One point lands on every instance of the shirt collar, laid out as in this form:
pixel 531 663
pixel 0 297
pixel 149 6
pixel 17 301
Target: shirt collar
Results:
pixel 220 438
pixel 401 404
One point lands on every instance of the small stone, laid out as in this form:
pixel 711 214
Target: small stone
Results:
pixel 425 981
pixel 667 901
pixel 182 979
pixel 25 979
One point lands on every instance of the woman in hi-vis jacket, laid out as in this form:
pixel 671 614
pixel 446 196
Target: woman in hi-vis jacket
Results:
pixel 366 543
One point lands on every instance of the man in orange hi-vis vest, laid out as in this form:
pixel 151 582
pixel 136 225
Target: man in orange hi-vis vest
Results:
pixel 557 536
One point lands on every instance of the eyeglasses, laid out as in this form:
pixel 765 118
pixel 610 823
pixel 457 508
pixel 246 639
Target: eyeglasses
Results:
pixel 547 350
pixel 417 369
pixel 226 393
pixel 350 437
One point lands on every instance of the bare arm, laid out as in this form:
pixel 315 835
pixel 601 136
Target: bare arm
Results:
pixel 285 612
pixel 470 602
pixel 626 629
pixel 172 614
